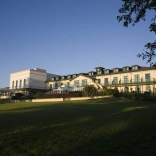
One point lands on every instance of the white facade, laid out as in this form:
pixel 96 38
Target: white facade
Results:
pixel 31 78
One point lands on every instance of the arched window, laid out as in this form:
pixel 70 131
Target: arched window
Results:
pixel 126 89
pixel 50 86
pixel 148 88
pixel 20 84
pixel 137 88
pixel 16 83
pixel 24 83
pixel 13 84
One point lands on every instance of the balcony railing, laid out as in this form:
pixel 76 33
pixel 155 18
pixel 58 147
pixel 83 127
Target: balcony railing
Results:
pixel 132 81
pixel 28 87
pixel 72 85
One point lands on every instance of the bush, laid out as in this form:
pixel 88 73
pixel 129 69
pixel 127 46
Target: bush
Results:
pixel 90 91
pixel 116 93
pixel 138 96
pixel 61 95
pixel 18 96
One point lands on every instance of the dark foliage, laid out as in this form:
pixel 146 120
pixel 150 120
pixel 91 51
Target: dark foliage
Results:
pixel 90 91
pixel 61 95
pixel 132 12
pixel 138 96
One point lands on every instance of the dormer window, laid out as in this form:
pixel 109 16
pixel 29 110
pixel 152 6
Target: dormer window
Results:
pixel 57 78
pixel 69 76
pixel 134 67
pixel 53 78
pixel 126 69
pixel 106 71
pixel 116 70
pixel 99 72
pixel 62 77
pixel 74 75
pixel 91 73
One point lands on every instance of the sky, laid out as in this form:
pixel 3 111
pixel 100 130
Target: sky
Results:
pixel 67 36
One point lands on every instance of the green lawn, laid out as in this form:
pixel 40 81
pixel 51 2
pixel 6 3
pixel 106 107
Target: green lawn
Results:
pixel 103 127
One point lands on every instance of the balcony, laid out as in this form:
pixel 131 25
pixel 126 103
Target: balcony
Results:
pixel 129 82
pixel 72 85
pixel 27 87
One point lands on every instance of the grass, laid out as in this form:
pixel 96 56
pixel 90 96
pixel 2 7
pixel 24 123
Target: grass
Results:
pixel 117 127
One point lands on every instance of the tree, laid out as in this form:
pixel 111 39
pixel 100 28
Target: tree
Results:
pixel 132 12
pixel 89 91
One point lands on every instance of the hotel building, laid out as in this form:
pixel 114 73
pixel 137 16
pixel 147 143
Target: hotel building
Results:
pixel 126 79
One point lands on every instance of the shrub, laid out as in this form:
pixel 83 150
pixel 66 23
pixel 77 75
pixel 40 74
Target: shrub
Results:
pixel 90 91
pixel 61 95
pixel 18 96
pixel 101 93
pixel 116 93
pixel 138 96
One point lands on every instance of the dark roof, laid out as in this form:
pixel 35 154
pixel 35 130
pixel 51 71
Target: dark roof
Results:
pixel 81 75
pixel 126 66
pixel 134 65
pixel 92 71
pixel 110 71
pixel 99 68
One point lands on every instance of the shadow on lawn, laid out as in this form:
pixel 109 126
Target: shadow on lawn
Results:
pixel 96 127
pixel 3 101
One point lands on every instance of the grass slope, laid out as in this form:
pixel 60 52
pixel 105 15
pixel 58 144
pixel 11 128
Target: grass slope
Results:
pixel 80 128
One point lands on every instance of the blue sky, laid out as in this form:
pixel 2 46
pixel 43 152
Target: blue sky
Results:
pixel 67 36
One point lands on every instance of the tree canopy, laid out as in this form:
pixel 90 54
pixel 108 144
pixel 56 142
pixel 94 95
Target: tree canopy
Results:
pixel 132 11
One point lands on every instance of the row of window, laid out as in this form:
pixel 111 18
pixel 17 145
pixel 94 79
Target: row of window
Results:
pixel 76 83
pixel 115 70
pixel 126 79
pixel 137 88
pixel 18 84
pixel 106 81
pixel 99 71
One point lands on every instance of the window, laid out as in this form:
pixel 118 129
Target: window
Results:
pixel 137 88
pixel 99 72
pixel 62 78
pixel 126 69
pixel 76 83
pixel 74 75
pixel 84 82
pixel 69 77
pixel 125 79
pixel 106 81
pixel 136 78
pixel 53 78
pixel 126 89
pixel 16 83
pixel 50 86
pixel 106 71
pixel 135 68
pixel 56 85
pixel 57 78
pixel 148 88
pixel 115 80
pixel 20 84
pixel 68 83
pixel 24 83
pixel 147 77
pixel 116 70
pixel 91 73
pixel 12 84
pixel 99 81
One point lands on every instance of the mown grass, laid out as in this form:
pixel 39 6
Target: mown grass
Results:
pixel 80 128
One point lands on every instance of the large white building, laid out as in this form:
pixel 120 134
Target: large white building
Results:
pixel 127 78
pixel 30 78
